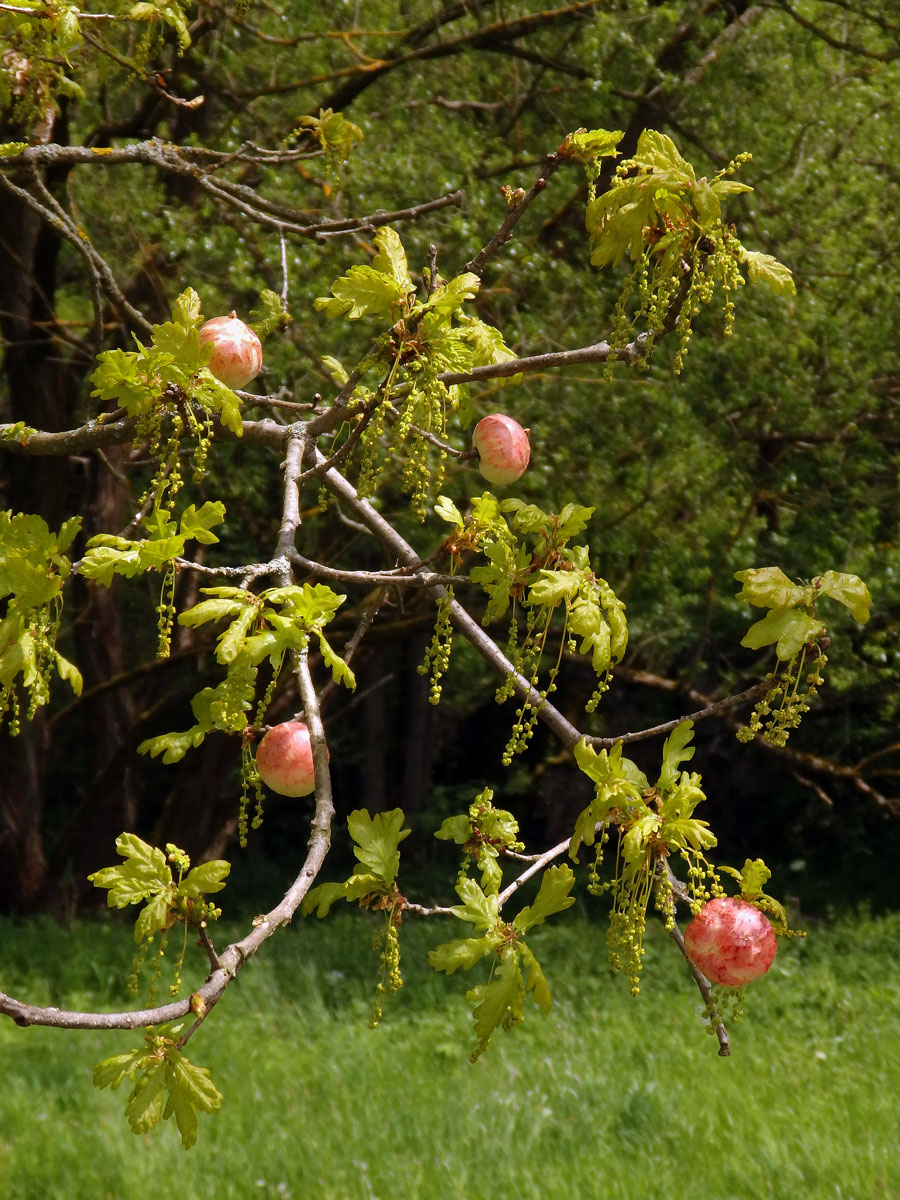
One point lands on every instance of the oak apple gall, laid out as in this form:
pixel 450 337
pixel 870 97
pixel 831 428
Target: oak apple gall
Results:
pixel 237 352
pixel 731 941
pixel 284 759
pixel 503 449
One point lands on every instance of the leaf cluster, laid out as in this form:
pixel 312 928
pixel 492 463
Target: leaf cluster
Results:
pixel 376 843
pixel 172 370
pixel 530 560
pixel 793 620
pixel 33 571
pixel 484 832
pixel 108 555
pixel 165 1084
pixel 500 1003
pixel 146 877
pixel 266 627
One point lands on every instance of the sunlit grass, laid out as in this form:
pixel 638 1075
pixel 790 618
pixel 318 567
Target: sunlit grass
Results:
pixel 607 1097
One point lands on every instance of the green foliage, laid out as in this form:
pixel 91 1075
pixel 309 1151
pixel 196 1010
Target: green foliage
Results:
pixel 484 832
pixel 33 570
pixel 335 134
pixel 168 388
pixel 530 561
pixel 376 842
pixel 267 627
pixel 168 12
pixel 670 224
pixel 500 1003
pixel 664 217
pixel 408 412
pixel 270 316
pixel 108 555
pixel 794 627
pixel 165 1084
pixel 651 825
pixel 147 877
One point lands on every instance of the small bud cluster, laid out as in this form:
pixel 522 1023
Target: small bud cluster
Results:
pixel 437 656
pixel 166 613
pixel 391 979
pixel 786 701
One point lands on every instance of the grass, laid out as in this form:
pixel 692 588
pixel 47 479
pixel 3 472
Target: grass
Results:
pixel 607 1097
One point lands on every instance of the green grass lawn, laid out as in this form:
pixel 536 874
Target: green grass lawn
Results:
pixel 607 1097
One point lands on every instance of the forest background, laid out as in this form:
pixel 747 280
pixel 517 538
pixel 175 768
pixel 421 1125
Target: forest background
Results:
pixel 778 445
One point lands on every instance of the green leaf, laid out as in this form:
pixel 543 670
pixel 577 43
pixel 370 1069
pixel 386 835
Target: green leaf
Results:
pixel 765 268
pixel 635 840
pixel 391 257
pixel 186 309
pixel 145 1105
pixel 20 656
pixel 207 878
pixel 655 149
pixel 447 511
pixel 706 205
pixel 848 590
pixel 463 953
pixel 500 1002
pixel 335 369
pixel 376 841
pixel 322 897
pixel 789 628
pixel 231 642
pixel 769 587
pixel 754 876
pixel 675 751
pixel 114 1071
pixel 307 606
pixel 190 1089
pixel 340 671
pixel 450 297
pixel 455 829
pixel 573 519
pixel 153 916
pixel 554 586
pixel 144 872
pixel 216 610
pixel 611 767
pixel 69 672
pixel 363 291
pixel 729 187
pixel 587 145
pixel 172 746
pixel 476 908
pixel 196 523
pixel 553 897
pixel 336 135
pixel 535 980
pixel 688 832
pixel 103 563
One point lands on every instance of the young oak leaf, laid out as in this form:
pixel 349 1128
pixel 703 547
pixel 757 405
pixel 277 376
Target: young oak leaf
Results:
pixel 463 953
pixel 848 590
pixel 376 841
pixel 191 1089
pixel 789 628
pixel 553 897
pixel 769 587
pixel 144 872
pixel 675 751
